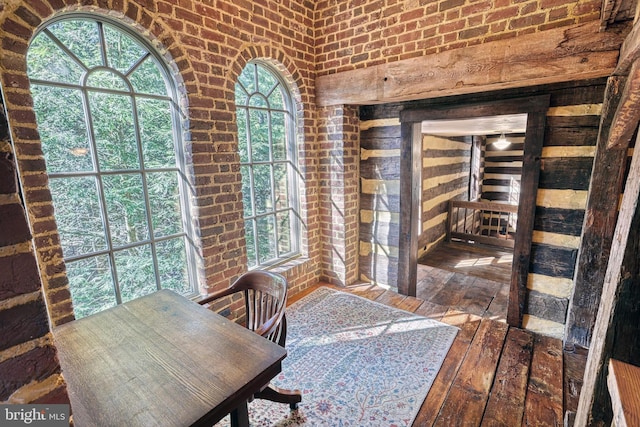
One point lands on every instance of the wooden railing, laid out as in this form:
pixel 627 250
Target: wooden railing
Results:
pixel 483 222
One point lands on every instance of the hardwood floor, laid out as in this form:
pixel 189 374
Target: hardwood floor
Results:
pixel 493 375
pixel 482 261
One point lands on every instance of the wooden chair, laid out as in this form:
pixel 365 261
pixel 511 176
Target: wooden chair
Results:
pixel 265 299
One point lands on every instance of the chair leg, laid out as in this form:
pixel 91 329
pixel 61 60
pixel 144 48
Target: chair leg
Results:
pixel 275 394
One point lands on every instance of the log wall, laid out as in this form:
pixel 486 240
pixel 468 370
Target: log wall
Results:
pixel 567 157
pixel 502 168
pixel 446 163
pixel 379 197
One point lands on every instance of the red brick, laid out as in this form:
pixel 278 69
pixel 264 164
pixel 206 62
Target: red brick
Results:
pixel 19 275
pixel 56 396
pixel 8 177
pixel 14 225
pixel 27 16
pixel 474 32
pixel 37 364
pixel 450 4
pixel 527 21
pixel 23 323
pixel 14 28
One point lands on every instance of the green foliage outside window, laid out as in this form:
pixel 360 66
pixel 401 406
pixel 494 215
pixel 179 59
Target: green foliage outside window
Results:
pixel 106 117
pixel 267 150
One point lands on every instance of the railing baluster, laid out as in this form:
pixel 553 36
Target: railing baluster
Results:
pixel 478 222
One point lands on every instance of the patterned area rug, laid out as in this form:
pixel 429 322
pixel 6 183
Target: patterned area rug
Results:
pixel 357 363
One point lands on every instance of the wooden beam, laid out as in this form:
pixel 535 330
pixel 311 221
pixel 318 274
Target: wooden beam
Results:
pixel 559 55
pixel 629 51
pixel 625 121
pixel 601 346
pixel 600 219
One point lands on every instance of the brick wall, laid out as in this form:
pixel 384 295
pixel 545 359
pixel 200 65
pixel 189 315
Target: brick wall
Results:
pixel 29 368
pixel 339 142
pixel 358 34
pixel 207 48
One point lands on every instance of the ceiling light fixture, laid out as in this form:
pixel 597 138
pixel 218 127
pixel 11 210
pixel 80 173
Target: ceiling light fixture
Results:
pixel 502 142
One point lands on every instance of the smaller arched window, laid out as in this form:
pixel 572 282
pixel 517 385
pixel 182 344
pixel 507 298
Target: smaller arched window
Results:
pixel 107 115
pixel 268 155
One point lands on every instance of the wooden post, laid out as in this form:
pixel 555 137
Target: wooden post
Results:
pixel 593 399
pixel 410 173
pixel 534 140
pixel 600 218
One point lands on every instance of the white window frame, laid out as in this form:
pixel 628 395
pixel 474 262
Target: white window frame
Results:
pixel 293 175
pixel 188 233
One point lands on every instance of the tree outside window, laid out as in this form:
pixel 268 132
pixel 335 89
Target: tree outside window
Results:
pixel 107 116
pixel 266 135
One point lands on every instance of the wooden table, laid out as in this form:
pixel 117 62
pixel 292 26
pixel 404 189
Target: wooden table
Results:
pixel 624 387
pixel 162 360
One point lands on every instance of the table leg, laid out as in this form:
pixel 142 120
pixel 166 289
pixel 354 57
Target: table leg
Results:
pixel 240 416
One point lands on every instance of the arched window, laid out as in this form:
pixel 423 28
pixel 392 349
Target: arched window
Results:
pixel 107 116
pixel 268 155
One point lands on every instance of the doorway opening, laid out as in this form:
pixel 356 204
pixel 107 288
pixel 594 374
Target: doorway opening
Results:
pixel 477 192
pixel 470 188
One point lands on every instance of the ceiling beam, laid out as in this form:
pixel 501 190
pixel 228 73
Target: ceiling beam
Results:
pixel 559 55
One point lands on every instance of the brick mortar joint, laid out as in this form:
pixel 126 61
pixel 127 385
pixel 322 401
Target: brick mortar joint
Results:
pixel 20 300
pixel 25 347
pixel 10 199
pixel 20 248
pixel 36 389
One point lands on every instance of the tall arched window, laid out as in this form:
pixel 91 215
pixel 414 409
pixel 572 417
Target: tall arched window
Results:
pixel 107 116
pixel 266 134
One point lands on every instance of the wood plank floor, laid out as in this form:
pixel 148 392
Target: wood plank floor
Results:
pixel 488 377
pixel 493 375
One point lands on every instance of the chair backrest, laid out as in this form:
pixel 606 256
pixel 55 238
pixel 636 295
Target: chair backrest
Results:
pixel 265 297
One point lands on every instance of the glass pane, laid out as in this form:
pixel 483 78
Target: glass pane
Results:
pixel 80 37
pixel 241 116
pixel 125 208
pixel 241 95
pixel 259 134
pixel 257 100
pixel 113 128
pixel 278 135
pixel 60 118
pixel 266 239
pixel 247 78
pixel 91 285
pixel 284 232
pixel 245 171
pixel 156 133
pixel 122 50
pixel 148 79
pixel 276 100
pixel 104 79
pixel 46 61
pixel 262 188
pixel 266 80
pixel 78 215
pixel 172 265
pixel 251 242
pixel 135 271
pixel 282 185
pixel 164 200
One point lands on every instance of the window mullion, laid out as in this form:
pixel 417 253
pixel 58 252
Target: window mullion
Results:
pixel 103 45
pixel 145 189
pixel 102 197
